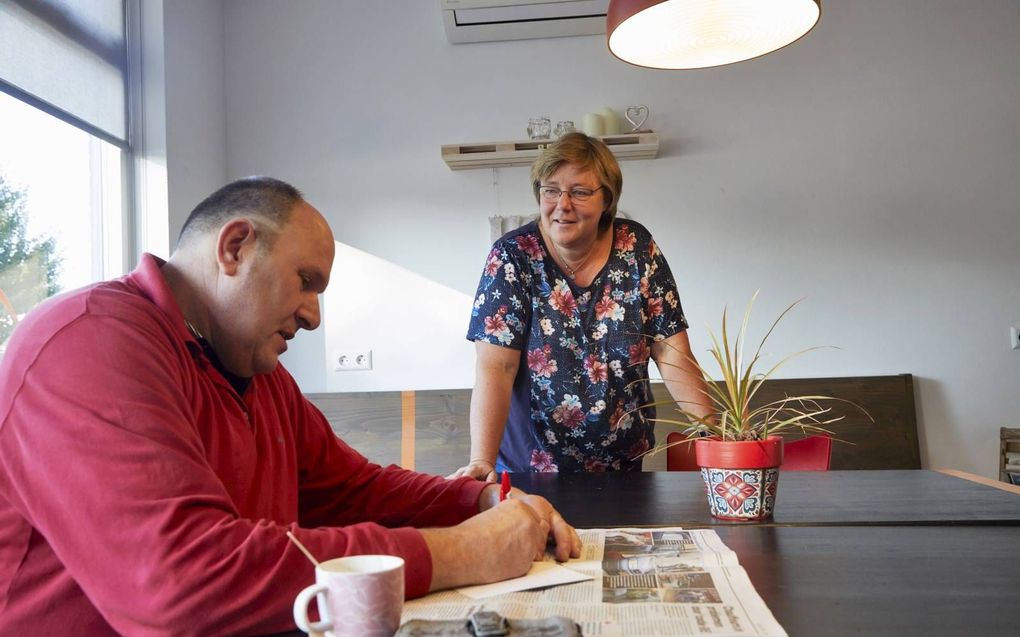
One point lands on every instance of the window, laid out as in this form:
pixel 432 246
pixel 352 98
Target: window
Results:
pixel 60 209
pixel 64 149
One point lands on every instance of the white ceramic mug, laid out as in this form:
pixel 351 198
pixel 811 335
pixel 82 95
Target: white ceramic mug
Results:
pixel 358 595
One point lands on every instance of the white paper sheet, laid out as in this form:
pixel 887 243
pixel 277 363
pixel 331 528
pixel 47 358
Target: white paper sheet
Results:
pixel 542 574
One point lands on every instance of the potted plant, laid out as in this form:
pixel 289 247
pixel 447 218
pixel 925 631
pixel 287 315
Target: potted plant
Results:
pixel 739 446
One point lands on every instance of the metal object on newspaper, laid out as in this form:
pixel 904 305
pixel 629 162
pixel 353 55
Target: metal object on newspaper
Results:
pixel 491 624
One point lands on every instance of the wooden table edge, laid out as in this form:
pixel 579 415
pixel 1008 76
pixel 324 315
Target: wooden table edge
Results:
pixel 1012 488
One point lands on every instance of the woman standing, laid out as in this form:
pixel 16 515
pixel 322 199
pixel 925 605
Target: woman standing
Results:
pixel 569 309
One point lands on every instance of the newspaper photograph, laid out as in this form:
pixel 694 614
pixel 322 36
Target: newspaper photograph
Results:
pixel 659 582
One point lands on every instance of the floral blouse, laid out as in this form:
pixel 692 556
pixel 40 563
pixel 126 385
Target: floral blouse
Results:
pixel 577 399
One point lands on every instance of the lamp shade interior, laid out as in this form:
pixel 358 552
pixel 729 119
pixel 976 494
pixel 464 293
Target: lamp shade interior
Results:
pixel 691 34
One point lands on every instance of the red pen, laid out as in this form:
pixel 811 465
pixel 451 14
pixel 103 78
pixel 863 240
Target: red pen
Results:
pixel 504 486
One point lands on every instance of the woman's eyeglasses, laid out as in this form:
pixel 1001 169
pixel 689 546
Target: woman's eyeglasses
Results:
pixel 552 193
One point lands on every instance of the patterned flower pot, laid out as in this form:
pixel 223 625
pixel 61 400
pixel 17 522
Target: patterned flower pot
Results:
pixel 741 478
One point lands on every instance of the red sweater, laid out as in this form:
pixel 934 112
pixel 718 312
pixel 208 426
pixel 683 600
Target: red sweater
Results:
pixel 140 494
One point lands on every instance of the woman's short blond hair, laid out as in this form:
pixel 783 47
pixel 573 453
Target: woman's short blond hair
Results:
pixel 586 153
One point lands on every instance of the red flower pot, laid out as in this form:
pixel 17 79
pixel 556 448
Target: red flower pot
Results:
pixel 741 477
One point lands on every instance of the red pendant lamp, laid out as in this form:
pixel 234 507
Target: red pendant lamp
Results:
pixel 695 34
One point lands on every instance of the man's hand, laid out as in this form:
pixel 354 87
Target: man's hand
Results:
pixel 566 540
pixel 497 544
pixel 500 542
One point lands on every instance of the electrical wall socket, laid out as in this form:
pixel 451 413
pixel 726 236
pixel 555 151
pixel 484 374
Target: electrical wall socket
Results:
pixel 1014 337
pixel 350 360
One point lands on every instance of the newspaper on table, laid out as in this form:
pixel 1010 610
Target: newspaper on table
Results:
pixel 646 583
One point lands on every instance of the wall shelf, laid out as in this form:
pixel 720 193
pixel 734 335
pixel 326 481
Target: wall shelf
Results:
pixel 636 145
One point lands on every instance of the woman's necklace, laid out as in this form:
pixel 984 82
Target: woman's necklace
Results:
pixel 573 270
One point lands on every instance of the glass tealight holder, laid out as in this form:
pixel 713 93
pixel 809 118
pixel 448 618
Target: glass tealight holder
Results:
pixel 538 128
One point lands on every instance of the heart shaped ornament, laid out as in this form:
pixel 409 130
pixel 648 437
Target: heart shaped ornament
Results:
pixel 636 115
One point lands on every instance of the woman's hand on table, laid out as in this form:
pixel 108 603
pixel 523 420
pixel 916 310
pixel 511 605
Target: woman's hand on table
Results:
pixel 477 469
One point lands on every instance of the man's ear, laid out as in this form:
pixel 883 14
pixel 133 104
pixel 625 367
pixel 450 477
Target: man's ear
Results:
pixel 235 241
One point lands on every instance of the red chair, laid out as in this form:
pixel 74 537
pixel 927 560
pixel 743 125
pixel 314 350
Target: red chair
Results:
pixel 807 454
pixel 680 453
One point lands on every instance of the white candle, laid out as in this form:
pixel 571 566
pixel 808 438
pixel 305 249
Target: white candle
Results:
pixel 593 125
pixel 611 121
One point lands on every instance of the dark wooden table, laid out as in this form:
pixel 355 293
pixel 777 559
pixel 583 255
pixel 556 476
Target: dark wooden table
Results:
pixel 814 498
pixel 884 553
pixel 927 580
pixel 848 552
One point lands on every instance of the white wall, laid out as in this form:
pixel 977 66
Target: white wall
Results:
pixel 873 167
pixel 195 105
pixel 413 326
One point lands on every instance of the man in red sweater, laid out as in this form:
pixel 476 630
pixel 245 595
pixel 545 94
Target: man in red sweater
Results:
pixel 153 452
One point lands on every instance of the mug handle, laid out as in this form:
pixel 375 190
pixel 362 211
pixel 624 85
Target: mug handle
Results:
pixel 301 609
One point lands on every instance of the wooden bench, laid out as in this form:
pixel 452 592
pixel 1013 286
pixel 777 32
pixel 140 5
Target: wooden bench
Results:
pixel 428 430
pixel 888 442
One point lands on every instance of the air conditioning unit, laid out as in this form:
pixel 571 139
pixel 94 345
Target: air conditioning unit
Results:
pixel 491 20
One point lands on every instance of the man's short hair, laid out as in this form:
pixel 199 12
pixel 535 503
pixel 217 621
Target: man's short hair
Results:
pixel 265 200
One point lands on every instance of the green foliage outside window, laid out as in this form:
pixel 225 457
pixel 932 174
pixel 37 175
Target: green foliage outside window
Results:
pixel 29 266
